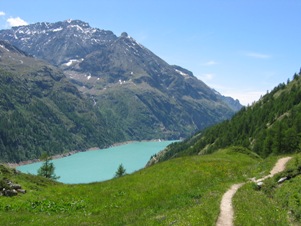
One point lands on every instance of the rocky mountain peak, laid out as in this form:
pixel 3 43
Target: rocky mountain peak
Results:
pixel 58 42
pixel 124 35
pixel 77 22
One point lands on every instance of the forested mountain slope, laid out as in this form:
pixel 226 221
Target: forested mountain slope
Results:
pixel 41 111
pixel 272 125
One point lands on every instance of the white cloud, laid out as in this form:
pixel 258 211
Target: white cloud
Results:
pixel 258 55
pixel 17 21
pixel 2 13
pixel 210 63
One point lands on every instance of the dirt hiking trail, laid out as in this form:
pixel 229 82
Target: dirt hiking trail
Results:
pixel 226 215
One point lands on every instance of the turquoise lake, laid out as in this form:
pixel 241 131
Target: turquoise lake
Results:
pixel 100 165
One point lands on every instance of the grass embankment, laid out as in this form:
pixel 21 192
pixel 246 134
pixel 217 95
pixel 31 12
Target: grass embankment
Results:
pixel 183 191
pixel 273 204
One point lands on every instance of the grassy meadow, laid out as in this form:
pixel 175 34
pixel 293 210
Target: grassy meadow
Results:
pixel 182 191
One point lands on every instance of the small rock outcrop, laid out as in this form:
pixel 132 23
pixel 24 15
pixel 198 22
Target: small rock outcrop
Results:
pixel 281 180
pixel 9 189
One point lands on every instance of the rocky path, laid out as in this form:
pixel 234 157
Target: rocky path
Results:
pixel 225 217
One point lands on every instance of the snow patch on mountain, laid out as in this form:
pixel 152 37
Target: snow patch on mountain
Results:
pixel 57 29
pixel 73 61
pixel 182 73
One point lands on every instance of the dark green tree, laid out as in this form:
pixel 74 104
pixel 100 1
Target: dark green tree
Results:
pixel 47 169
pixel 120 171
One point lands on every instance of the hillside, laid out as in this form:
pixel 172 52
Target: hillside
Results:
pixel 181 191
pixel 132 87
pixel 41 111
pixel 271 126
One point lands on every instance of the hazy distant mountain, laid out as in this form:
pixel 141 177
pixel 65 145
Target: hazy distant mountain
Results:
pixel 133 88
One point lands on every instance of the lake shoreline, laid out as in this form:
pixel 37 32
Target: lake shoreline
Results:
pixel 63 155
pixel 100 165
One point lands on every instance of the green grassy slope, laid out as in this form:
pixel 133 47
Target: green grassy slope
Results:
pixel 183 191
pixel 273 204
pixel 269 128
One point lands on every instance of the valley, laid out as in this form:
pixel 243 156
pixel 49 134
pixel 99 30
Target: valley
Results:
pixel 67 87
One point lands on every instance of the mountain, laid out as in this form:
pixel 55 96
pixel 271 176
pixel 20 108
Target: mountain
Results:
pixel 41 111
pixel 135 90
pixel 270 126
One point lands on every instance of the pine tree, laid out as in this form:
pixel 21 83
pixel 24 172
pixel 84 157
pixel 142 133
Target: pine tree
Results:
pixel 47 169
pixel 120 171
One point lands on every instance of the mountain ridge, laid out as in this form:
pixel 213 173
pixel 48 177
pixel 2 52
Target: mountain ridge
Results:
pixel 131 86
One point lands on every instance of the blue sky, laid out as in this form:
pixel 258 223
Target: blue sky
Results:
pixel 241 48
